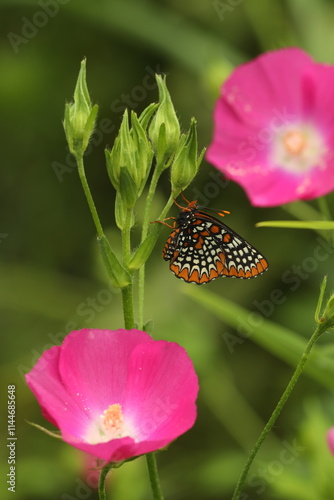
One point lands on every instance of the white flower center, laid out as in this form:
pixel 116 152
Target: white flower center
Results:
pixel 298 148
pixel 109 425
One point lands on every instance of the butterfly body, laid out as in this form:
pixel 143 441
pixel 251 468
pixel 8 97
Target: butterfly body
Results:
pixel 201 248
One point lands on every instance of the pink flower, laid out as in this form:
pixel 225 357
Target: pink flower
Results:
pixel 274 128
pixel 330 439
pixel 116 394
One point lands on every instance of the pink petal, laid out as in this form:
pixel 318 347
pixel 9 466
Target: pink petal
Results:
pixel 57 405
pixel 161 391
pixel 94 363
pixel 330 439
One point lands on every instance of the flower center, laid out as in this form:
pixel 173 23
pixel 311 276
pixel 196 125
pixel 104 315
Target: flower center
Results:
pixel 298 148
pixel 110 424
pixel 112 419
pixel 294 142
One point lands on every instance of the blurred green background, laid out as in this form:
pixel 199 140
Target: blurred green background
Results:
pixel 52 280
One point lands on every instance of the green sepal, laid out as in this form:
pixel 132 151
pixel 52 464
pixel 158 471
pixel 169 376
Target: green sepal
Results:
pixel 143 153
pixel 186 161
pixel 121 154
pixel 54 434
pixel 90 125
pixel 127 188
pixel 117 274
pixel 144 250
pixel 121 213
pixel 148 327
pixel 146 115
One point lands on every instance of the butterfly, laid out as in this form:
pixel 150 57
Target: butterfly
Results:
pixel 201 248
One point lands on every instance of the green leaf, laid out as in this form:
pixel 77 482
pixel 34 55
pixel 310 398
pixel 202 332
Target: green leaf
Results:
pixel 297 224
pixel 144 250
pixel 283 343
pixel 117 274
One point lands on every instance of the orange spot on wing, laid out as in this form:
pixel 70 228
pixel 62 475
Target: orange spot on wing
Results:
pixel 232 271
pixel 199 244
pixel 215 229
pixel 264 264
pixel 220 267
pixel 205 278
pixel 214 273
pixel 194 277
pixel 175 255
pixel 227 238
pixel 184 274
pixel 175 269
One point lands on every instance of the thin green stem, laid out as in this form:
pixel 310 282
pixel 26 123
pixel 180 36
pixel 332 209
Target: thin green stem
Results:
pixel 127 291
pixel 318 331
pixel 154 477
pixel 102 480
pixel 141 273
pixel 126 238
pixel 146 222
pixel 88 194
pixel 128 310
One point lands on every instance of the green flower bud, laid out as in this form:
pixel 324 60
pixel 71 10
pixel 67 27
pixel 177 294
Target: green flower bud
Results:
pixel 132 152
pixel 121 154
pixel 80 116
pixel 328 315
pixel 186 161
pixel 164 130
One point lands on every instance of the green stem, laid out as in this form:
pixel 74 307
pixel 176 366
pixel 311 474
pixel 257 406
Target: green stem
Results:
pixel 126 238
pixel 318 331
pixel 88 194
pixel 146 222
pixel 102 479
pixel 154 477
pixel 141 273
pixel 128 311
pixel 127 291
